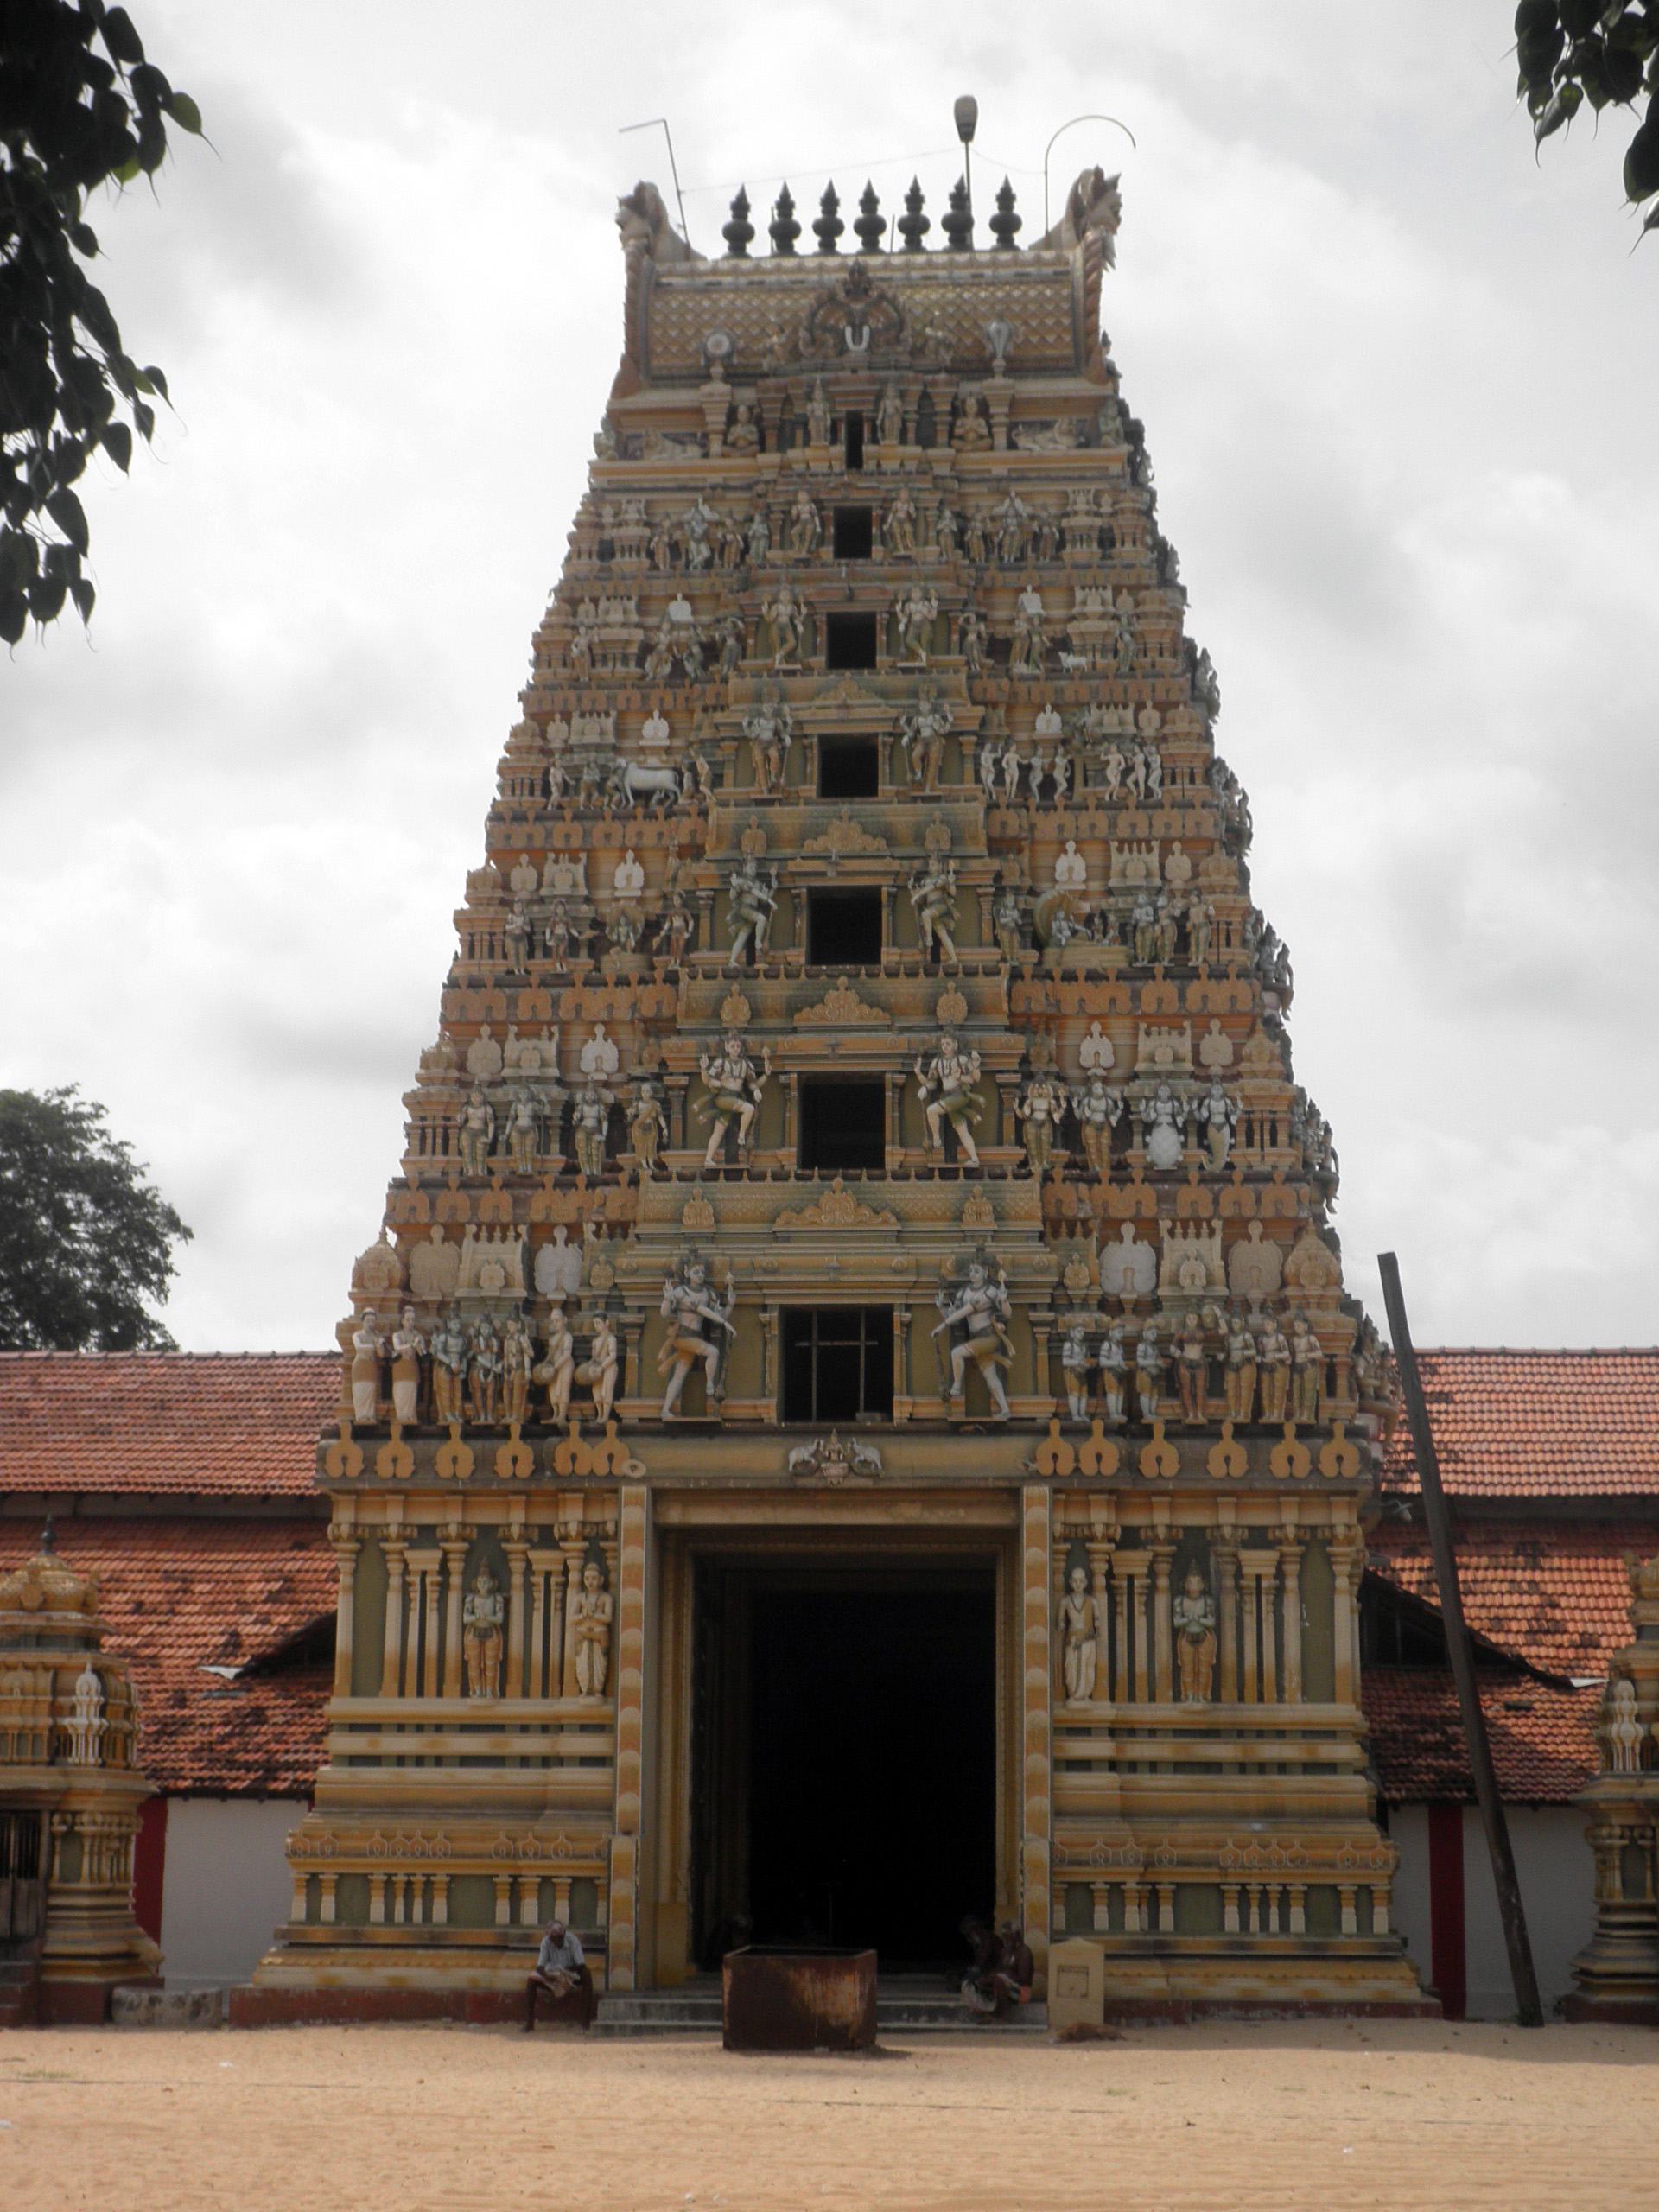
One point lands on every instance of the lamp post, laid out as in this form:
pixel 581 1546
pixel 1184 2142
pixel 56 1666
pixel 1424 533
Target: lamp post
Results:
pixel 967 115
pixel 1049 148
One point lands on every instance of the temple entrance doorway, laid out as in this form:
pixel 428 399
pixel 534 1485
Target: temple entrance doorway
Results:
pixel 844 1758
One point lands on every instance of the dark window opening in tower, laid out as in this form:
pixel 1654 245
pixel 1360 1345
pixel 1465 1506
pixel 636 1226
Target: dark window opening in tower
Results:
pixel 849 767
pixel 852 533
pixel 850 641
pixel 837 1362
pixel 843 1125
pixel 853 432
pixel 844 929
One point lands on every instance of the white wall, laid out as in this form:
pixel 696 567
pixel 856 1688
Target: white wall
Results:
pixel 225 1886
pixel 1557 1877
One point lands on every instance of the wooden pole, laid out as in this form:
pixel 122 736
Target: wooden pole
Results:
pixel 1461 1653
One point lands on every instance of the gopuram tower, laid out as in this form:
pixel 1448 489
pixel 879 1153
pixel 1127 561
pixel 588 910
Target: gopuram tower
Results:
pixel 853 1419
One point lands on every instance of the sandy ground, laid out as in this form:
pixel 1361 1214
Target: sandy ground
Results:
pixel 457 2118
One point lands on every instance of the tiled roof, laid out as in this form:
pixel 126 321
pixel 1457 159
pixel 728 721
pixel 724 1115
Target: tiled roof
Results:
pixel 204 1424
pixel 1554 1594
pixel 1543 1739
pixel 181 1595
pixel 1537 1424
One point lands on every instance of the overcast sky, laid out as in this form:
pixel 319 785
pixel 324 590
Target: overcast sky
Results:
pixel 1398 385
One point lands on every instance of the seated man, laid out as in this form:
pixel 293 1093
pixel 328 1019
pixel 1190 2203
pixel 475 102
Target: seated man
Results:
pixel 562 1972
pixel 1002 1971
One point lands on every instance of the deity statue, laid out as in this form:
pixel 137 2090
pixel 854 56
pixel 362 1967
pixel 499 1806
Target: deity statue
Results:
pixel 1079 1637
pixel 556 1366
pixel 1113 1363
pixel 483 1372
pixel 592 1609
pixel 702 525
pixel 515 937
pixel 933 895
pixel 590 1121
pixel 1307 1370
pixel 483 1615
pixel 771 731
pixel 982 1309
pixel 516 1359
pixel 1097 1108
pixel 1007 919
pixel 367 1348
pixel 946 529
pixel 1201 919
pixel 477 1128
pixel 1192 1616
pixel 1013 528
pixel 448 1369
pixel 675 928
pixel 1025 653
pixel 787 615
pixel 1148 1370
pixel 521 1131
pixel 1039 1109
pixel 898 527
pixel 558 935
pixel 971 432
pixel 407 1346
pixel 915 612
pixel 817 415
pixel 1164 1118
pixel 751 903
pixel 972 637
pixel 759 538
pixel 1191 1369
pixel 699 1323
pixel 743 438
pixel 951 1075
pixel 973 535
pixel 1143 921
pixel 890 416
pixel 600 1370
pixel 1217 1116
pixel 805 525
pixel 1272 1359
pixel 924 727
pixel 1074 1365
pixel 735 1091
pixel 1239 1379
pixel 647 1127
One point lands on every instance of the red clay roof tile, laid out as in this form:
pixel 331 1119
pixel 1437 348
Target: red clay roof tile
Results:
pixel 1536 1424
pixel 1543 1739
pixel 203 1424
pixel 1554 1593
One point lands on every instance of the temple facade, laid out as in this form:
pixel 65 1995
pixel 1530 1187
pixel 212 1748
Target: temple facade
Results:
pixel 853 1419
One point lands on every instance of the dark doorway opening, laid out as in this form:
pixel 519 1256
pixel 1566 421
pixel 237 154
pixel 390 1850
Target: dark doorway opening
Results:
pixel 850 641
pixel 844 929
pixel 849 767
pixel 852 533
pixel 838 1363
pixel 844 1759
pixel 852 430
pixel 843 1125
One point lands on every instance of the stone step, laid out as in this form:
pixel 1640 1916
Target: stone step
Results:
pixel 696 2011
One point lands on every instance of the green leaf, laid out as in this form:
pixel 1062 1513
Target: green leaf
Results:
pixel 46 598
pixel 1564 104
pixel 157 382
pixel 127 170
pixel 122 40
pixel 84 596
pixel 70 516
pixel 184 111
pixel 1642 162
pixel 144 417
pixel 13 614
pixel 116 440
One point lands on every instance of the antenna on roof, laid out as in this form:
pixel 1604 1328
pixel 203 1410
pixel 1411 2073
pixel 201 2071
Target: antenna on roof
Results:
pixel 651 124
pixel 966 113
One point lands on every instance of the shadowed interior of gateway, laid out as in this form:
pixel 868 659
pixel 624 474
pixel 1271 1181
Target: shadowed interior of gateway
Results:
pixel 844 1758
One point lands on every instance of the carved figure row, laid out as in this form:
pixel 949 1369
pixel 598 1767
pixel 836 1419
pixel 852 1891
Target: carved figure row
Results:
pixel 1259 1364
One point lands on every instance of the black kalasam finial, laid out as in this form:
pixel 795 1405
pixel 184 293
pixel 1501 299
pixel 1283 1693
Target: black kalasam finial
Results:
pixel 872 224
pixel 783 229
pixel 1005 222
pixel 828 227
pixel 958 223
pixel 913 226
pixel 738 232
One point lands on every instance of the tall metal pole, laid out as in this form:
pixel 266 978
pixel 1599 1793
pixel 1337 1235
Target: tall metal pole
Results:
pixel 1461 1653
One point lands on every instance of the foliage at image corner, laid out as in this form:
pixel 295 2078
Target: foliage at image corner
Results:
pixel 1571 51
pixel 85 1243
pixel 80 108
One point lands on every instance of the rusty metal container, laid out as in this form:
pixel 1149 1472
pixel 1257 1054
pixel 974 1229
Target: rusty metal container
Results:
pixel 776 1998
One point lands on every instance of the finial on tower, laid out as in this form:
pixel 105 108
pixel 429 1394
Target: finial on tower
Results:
pixel 738 232
pixel 783 229
pixel 828 227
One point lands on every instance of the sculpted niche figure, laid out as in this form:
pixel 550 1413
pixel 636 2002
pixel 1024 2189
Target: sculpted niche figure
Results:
pixel 1192 1615
pixel 477 1128
pixel 448 1369
pixel 1114 1375
pixel 590 1118
pixel 947 1086
pixel 787 616
pixel 923 729
pixel 982 1309
pixel 1039 1109
pixel 1074 1365
pixel 600 1370
pixel 735 1092
pixel 933 895
pixel 647 1127
pixel 366 1348
pixel 1097 1108
pixel 751 902
pixel 1079 1637
pixel 699 1323
pixel 592 1610
pixel 517 1357
pixel 482 1616
pixel 407 1346
pixel 915 611
pixel 554 1370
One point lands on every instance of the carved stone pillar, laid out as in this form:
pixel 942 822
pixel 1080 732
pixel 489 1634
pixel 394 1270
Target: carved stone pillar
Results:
pixel 1261 1566
pixel 895 1087
pixel 1224 1558
pixel 1130 1571
pixel 1247 1687
pixel 1037 1730
pixel 518 1551
pixel 769 1354
pixel 391 1653
pixel 542 1563
pixel 629 1675
pixel 1356 1576
pixel 900 1355
pixel 346 1547
pixel 326 1884
pixel 1162 1644
pixel 1290 1564
pixel 676 1086
pixel 792 1088
pixel 1100 1560
pixel 574 1552
pixel 421 1568
pixel 454 1569
pixel 1345 1682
